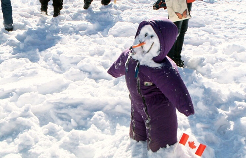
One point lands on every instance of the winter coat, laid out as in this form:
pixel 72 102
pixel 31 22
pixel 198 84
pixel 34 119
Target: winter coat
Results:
pixel 155 92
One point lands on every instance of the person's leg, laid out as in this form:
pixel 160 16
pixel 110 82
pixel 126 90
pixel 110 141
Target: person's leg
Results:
pixel 58 5
pixel 44 5
pixel 7 14
pixel 172 52
pixel 105 2
pixel 180 40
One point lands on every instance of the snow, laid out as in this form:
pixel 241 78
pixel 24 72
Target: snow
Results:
pixel 57 99
pixel 149 50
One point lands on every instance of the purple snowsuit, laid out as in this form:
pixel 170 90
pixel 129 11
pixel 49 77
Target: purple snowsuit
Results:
pixel 155 93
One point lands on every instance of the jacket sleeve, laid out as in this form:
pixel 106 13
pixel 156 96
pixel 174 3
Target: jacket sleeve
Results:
pixel 169 82
pixel 118 67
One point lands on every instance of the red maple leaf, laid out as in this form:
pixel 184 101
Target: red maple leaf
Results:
pixel 192 145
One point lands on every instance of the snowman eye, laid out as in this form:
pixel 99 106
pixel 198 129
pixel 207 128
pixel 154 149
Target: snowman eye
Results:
pixel 146 35
pixel 151 36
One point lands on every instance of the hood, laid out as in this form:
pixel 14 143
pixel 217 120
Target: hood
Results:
pixel 166 31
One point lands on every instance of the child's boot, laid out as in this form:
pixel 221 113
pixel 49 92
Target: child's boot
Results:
pixel 179 62
pixel 8 27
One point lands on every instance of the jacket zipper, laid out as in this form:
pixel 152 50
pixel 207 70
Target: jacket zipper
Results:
pixel 145 109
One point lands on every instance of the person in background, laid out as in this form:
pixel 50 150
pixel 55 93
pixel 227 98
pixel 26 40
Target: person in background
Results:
pixel 57 4
pixel 87 3
pixel 7 15
pixel 175 52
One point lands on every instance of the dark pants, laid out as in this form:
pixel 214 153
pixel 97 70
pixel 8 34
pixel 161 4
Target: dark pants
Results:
pixel 56 3
pixel 7 12
pixel 175 52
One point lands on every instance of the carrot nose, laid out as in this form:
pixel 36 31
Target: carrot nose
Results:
pixel 138 45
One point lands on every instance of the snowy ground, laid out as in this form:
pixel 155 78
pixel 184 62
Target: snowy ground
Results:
pixel 57 100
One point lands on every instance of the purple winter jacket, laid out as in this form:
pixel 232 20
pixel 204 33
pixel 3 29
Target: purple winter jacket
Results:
pixel 166 80
pixel 159 89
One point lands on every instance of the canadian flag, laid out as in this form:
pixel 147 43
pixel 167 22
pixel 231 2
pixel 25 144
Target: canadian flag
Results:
pixel 192 144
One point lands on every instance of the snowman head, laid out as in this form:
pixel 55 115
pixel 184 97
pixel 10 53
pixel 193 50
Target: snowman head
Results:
pixel 150 49
pixel 159 35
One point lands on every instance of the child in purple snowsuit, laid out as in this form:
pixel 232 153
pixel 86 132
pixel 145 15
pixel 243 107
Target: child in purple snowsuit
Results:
pixel 155 86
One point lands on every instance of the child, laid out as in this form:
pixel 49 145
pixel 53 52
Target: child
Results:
pixel 155 86
pixel 175 52
pixel 179 12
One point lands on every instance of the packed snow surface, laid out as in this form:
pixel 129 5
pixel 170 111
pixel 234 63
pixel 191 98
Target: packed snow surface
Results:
pixel 57 100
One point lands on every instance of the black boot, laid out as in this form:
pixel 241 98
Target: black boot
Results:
pixel 56 11
pixel 8 27
pixel 44 8
pixel 105 2
pixel 87 4
pixel 179 62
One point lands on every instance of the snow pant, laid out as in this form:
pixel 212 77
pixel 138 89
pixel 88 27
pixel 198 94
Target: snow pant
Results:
pixel 56 3
pixel 175 52
pixel 154 121
pixel 7 12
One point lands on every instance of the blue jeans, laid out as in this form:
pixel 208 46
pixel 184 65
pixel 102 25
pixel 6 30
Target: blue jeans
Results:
pixel 7 12
pixel 175 52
